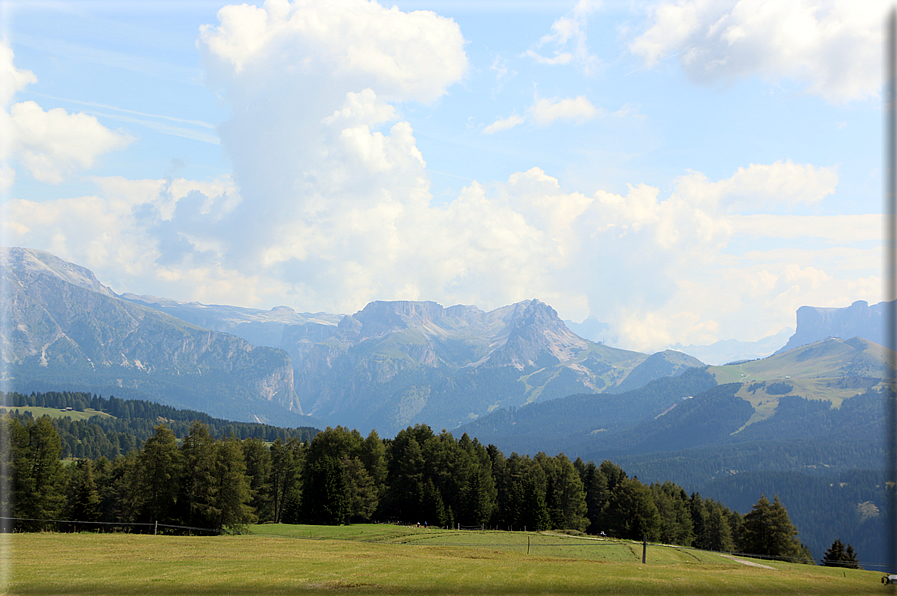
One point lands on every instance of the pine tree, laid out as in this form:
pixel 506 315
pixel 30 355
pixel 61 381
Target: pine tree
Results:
pixel 258 468
pixel 838 556
pixel 84 499
pixel 631 512
pixel 198 485
pixel 38 479
pixel 287 463
pixel 595 485
pixel 361 490
pixel 154 478
pixel 229 504
pixel 325 494
pixel 768 531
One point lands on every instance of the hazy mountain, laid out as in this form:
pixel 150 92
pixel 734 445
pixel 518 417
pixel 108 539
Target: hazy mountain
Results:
pixel 389 365
pixel 398 363
pixel 668 363
pixel 733 350
pixel 857 320
pixel 260 327
pixel 65 330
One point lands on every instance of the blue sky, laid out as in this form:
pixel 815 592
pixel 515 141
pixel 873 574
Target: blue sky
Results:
pixel 684 172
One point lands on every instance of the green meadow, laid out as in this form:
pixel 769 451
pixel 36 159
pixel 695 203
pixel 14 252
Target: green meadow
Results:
pixel 384 559
pixel 75 415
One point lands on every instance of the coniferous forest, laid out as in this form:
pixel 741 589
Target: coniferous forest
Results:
pixel 209 476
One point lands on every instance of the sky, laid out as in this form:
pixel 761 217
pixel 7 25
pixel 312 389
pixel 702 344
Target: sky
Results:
pixel 681 171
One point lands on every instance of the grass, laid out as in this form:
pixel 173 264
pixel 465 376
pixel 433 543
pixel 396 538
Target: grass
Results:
pixel 383 559
pixel 75 415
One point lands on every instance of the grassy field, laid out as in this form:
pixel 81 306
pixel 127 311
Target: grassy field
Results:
pixel 378 559
pixel 57 413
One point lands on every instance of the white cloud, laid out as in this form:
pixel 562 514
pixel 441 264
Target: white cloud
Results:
pixel 831 46
pixel 779 184
pixel 54 144
pixel 569 38
pixel 502 74
pixel 580 109
pixel 50 145
pixel 400 55
pixel 503 124
pixel 546 111
pixel 559 59
pixel 12 79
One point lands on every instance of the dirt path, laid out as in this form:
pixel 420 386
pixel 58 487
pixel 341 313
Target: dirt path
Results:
pixel 749 563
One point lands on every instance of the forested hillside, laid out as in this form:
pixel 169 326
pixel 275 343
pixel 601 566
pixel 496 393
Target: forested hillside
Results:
pixel 129 423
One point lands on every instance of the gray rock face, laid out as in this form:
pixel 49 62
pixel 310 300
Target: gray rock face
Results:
pixel 64 330
pixel 398 363
pixel 857 320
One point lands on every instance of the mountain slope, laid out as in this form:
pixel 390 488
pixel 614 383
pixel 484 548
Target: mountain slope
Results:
pixel 259 327
pixel 398 363
pixel 800 395
pixel 70 335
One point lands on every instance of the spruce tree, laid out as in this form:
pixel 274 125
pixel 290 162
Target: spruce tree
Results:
pixel 154 478
pixel 84 499
pixel 838 556
pixel 631 512
pixel 768 531
pixel 38 481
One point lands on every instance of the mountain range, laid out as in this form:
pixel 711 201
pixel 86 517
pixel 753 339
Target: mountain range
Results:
pixel 389 365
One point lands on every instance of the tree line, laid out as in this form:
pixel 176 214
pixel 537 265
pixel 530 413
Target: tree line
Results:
pixel 130 423
pixel 339 476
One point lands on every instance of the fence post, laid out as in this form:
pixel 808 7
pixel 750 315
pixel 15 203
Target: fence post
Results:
pixel 644 547
pixel 156 528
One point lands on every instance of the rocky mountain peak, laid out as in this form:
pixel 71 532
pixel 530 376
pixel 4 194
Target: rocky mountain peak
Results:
pixel 29 263
pixel 536 332
pixel 857 320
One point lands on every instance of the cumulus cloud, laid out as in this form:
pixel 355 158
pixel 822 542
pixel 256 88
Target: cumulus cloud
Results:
pixel 579 109
pixel 49 145
pixel 12 79
pixel 833 47
pixel 401 55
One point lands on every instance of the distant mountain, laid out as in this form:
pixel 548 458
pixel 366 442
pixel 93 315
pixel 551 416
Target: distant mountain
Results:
pixel 800 395
pixel 260 327
pixel 857 320
pixel 398 363
pixel 387 366
pixel 570 424
pixel 668 363
pixel 64 330
pixel 733 350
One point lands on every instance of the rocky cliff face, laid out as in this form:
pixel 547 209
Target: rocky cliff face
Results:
pixel 857 320
pixel 63 328
pixel 398 363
